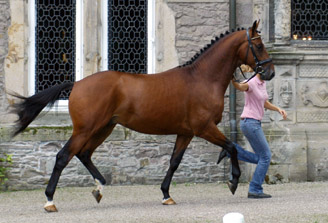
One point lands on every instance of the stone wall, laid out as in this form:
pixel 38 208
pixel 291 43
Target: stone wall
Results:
pixel 4 24
pixel 196 24
pixel 300 87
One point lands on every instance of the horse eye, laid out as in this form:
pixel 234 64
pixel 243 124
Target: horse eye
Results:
pixel 259 47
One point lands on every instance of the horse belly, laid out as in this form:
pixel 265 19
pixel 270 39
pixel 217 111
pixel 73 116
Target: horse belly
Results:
pixel 153 127
pixel 158 123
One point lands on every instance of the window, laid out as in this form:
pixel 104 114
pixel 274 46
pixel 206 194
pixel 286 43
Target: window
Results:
pixel 55 44
pixel 309 20
pixel 127 35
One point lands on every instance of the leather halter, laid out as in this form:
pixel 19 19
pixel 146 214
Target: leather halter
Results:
pixel 258 69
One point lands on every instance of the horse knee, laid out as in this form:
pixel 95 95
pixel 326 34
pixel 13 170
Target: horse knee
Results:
pixel 62 159
pixel 231 149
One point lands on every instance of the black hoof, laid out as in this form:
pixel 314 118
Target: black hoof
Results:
pixel 232 187
pixel 222 155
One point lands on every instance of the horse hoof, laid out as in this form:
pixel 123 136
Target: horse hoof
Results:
pixel 50 208
pixel 97 195
pixel 168 201
pixel 232 187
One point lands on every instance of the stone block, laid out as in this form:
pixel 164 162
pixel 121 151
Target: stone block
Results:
pixel 298 173
pixel 278 173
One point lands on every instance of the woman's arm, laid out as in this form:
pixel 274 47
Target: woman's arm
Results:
pixel 239 86
pixel 272 107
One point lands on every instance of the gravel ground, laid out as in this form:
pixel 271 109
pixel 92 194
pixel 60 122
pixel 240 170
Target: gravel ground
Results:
pixel 292 202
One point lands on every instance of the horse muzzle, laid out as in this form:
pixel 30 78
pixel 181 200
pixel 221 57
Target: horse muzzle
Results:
pixel 266 74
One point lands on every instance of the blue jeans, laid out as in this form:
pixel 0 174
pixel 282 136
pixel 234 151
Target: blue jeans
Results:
pixel 252 129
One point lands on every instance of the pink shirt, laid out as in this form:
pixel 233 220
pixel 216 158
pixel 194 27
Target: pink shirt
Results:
pixel 255 97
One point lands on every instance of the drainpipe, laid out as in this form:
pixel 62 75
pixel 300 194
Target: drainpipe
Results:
pixel 232 90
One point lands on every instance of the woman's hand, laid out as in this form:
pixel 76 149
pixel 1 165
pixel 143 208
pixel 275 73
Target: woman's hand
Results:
pixel 239 86
pixel 283 113
pixel 272 107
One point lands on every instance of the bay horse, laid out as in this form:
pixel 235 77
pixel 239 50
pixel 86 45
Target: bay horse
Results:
pixel 186 101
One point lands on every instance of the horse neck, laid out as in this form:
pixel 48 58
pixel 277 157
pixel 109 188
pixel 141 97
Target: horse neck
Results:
pixel 220 61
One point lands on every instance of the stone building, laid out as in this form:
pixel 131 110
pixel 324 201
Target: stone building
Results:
pixel 47 42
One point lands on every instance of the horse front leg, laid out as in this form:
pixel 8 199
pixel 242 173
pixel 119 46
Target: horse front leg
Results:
pixel 213 135
pixel 180 147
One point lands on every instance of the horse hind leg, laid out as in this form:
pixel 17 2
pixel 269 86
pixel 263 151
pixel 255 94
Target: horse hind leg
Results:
pixel 62 159
pixel 85 158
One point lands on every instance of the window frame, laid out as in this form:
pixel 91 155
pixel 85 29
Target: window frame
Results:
pixel 62 105
pixel 150 36
pixel 300 41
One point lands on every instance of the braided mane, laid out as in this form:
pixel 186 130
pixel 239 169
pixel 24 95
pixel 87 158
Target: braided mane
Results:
pixel 205 48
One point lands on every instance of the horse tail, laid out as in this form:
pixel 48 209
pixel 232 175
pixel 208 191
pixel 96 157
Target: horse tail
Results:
pixel 30 107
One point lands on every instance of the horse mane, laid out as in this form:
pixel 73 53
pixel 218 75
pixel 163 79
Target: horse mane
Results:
pixel 206 47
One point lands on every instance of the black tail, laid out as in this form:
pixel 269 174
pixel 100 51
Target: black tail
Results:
pixel 30 107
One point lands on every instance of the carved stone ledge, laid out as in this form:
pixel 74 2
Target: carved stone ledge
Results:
pixel 312 117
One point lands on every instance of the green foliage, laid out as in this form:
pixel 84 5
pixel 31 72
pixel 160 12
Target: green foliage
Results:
pixel 5 162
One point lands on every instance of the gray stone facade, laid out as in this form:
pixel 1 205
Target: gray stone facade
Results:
pixel 4 24
pixel 197 24
pixel 183 27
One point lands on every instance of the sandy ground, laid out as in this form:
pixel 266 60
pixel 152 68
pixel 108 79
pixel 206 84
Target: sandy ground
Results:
pixel 292 202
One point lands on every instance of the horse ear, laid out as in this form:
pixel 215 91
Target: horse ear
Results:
pixel 255 26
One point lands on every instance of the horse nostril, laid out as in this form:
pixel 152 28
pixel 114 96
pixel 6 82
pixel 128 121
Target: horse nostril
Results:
pixel 272 74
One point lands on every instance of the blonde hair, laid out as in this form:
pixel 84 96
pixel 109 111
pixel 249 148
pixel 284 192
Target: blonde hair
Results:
pixel 246 69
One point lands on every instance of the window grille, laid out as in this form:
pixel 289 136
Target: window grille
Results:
pixel 55 43
pixel 127 35
pixel 309 19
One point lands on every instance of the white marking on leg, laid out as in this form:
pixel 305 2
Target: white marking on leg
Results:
pixel 49 203
pixel 100 187
pixel 164 200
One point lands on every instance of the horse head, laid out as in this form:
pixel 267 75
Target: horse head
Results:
pixel 258 58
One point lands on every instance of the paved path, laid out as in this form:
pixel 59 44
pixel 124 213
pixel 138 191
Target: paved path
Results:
pixel 293 202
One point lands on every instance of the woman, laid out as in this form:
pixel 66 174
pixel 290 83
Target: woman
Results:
pixel 256 99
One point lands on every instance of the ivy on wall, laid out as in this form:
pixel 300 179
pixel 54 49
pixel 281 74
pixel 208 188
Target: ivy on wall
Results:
pixel 5 162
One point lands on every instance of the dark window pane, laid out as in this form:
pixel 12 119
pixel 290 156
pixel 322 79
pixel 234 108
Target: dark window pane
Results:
pixel 309 19
pixel 55 44
pixel 127 31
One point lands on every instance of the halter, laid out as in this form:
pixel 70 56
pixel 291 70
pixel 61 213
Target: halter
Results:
pixel 258 69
